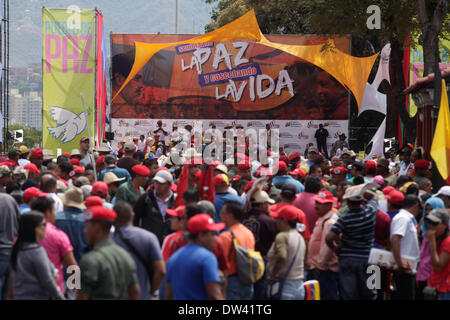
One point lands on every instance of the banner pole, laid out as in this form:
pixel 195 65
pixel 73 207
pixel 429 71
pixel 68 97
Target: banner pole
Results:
pixel 90 137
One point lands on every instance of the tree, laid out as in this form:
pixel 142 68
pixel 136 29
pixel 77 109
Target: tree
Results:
pixel 401 20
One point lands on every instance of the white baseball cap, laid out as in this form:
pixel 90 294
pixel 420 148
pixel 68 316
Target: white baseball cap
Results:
pixel 261 197
pixel 444 191
pixel 163 176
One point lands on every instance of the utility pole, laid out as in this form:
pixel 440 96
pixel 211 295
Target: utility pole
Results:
pixel 176 16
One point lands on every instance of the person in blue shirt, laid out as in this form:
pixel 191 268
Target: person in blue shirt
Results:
pixel 193 270
pixel 222 195
pixel 283 178
pixel 111 161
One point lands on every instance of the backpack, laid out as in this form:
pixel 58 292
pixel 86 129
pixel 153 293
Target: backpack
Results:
pixel 250 264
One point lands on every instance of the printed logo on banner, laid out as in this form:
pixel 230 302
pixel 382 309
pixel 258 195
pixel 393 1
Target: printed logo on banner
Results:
pixel 255 124
pixel 123 123
pixel 69 124
pixel 274 125
pixel 286 135
pixel 193 46
pixel 310 124
pixel 302 135
pixel 293 124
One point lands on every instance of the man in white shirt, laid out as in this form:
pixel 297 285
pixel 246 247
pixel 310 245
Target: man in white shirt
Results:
pixel 141 143
pixel 405 242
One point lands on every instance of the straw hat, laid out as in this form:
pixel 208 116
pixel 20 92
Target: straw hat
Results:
pixel 73 197
pixel 110 177
pixel 48 155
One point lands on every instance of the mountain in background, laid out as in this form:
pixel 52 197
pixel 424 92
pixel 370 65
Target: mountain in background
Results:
pixel 120 16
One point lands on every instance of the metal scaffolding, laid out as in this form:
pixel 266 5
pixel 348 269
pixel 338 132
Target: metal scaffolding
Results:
pixel 4 82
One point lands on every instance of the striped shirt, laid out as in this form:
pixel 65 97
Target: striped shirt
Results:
pixel 358 229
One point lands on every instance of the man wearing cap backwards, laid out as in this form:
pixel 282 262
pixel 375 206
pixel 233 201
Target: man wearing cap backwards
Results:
pixel 86 157
pixel 133 189
pixel 232 214
pixel 71 220
pixel 56 242
pixel 351 238
pixel 283 177
pixel 439 239
pixel 222 195
pixel 111 166
pixel 323 262
pixel 107 271
pixel 145 243
pixel 151 207
pixel 192 271
pixel 127 161
pixel 405 242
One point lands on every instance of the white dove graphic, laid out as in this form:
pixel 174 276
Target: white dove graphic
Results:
pixel 69 124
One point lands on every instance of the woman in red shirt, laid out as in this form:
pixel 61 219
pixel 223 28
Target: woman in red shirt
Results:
pixel 439 239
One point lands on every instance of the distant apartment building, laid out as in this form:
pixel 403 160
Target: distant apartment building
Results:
pixel 25 109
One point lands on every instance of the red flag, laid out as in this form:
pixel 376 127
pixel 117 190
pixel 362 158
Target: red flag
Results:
pixel 182 186
pixel 207 189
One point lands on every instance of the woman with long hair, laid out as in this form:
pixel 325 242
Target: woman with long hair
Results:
pixel 33 274
pixel 438 236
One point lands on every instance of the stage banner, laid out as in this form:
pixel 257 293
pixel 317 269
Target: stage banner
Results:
pixel 239 79
pixel 68 75
pixel 416 66
pixel 294 134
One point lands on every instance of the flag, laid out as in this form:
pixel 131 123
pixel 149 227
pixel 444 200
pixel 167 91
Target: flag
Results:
pixel 440 148
pixel 207 188
pixel 182 185
pixel 101 81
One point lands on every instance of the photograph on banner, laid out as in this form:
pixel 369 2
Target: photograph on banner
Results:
pixel 239 79
pixel 68 71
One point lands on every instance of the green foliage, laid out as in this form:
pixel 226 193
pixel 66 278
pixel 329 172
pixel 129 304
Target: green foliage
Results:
pixel 274 17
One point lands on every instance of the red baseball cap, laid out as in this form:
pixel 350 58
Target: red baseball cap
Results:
pixel 244 165
pixel 99 188
pixel 324 197
pixel 75 162
pixel 93 201
pixel 99 213
pixel 294 155
pixel 84 139
pixel 178 212
pixel 422 164
pixel 282 166
pixel 203 222
pixel 339 170
pixel 221 180
pixel 288 212
pixel 370 164
pixel 396 197
pixel 36 153
pixel 141 170
pixel 66 154
pixel 284 158
pixel 31 193
pixel 31 167
pixel 249 185
pixel 263 172
pixel 79 169
pixel 388 190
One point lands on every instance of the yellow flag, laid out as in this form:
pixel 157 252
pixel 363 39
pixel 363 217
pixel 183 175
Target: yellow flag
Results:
pixel 440 149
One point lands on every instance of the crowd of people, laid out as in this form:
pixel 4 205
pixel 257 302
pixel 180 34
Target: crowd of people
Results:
pixel 129 223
